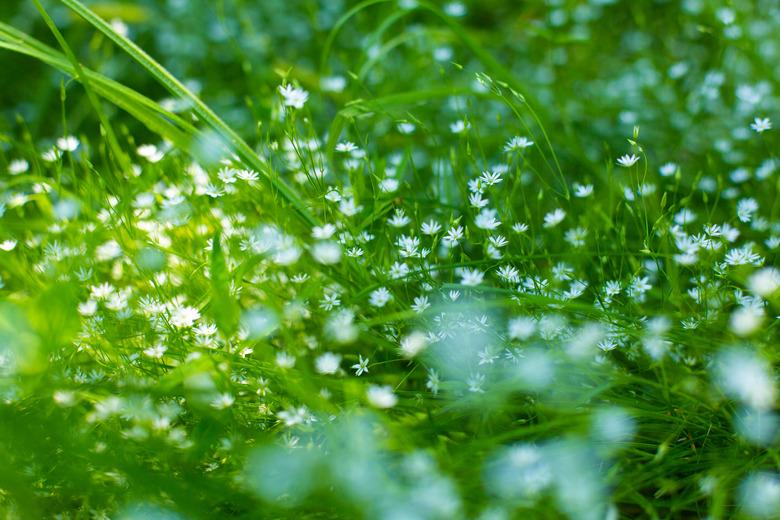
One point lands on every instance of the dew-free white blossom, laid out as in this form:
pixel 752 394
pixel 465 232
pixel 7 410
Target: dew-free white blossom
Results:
pixel 381 396
pixel 328 363
pixel 746 377
pixel 361 367
pixel 517 143
pixel 69 143
pixel 554 218
pixel 326 252
pixel 761 124
pixel 292 96
pixel 627 160
pixel 380 297
pixel 487 219
pixel 413 343
pixel 764 282
pixel 184 316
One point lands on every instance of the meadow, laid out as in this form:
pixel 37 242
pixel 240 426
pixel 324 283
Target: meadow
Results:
pixel 389 259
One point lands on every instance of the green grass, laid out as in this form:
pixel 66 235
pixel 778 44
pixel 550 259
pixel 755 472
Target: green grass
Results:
pixel 389 259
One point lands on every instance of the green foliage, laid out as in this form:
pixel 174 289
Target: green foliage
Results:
pixel 389 259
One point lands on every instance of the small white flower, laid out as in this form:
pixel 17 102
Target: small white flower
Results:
pixel 413 344
pixel 381 396
pixel 326 253
pixel 554 218
pixel 517 143
pixel 459 126
pixel 471 277
pixel 328 363
pixel 761 124
pixel 346 147
pixel 521 328
pixel 155 352
pixel 430 227
pixel 68 143
pixel 150 153
pixel 420 304
pixel 184 316
pixel 380 297
pixel 284 360
pixel 8 245
pixel 627 160
pixel 487 219
pixel 18 166
pixel 406 128
pixel 668 169
pixel 583 190
pixel 361 367
pixel 87 308
pixel 333 83
pixel 293 97
pixel 765 282
pixel 323 232
pixel 223 401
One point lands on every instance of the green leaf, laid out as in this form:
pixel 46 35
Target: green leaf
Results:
pixel 234 143
pixel 224 308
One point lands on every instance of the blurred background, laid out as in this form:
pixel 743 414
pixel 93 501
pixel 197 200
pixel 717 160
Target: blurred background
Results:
pixel 688 72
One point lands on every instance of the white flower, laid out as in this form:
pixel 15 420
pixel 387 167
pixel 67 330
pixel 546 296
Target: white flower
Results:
pixel 346 147
pixel 746 208
pixel 381 396
pixel 333 83
pixel 223 401
pixel 388 185
pixel 8 245
pixel 51 155
pixel 431 227
pixel 87 308
pixel 68 143
pixel 361 366
pixel 554 218
pixel 108 251
pixel 380 297
pixel 519 227
pixel 583 190
pixel 668 169
pixel 326 253
pixel 459 126
pixel 227 175
pixel 746 320
pixel 420 304
pixel 764 282
pixel 292 416
pixel 150 153
pixel 487 219
pixel 323 232
pixel 413 344
pixel 517 143
pixel 293 97
pixel 399 219
pixel 627 161
pixel 328 363
pixel 453 236
pixel 471 277
pixel 284 360
pixel 521 328
pixel 184 316
pixel 761 124
pixel 156 352
pixel 747 377
pixel 18 166
pixel 406 128
pixel 491 177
